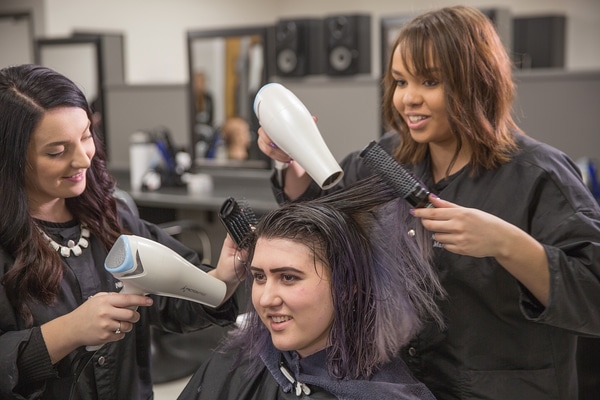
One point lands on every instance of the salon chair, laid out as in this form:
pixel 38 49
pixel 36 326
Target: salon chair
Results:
pixel 176 356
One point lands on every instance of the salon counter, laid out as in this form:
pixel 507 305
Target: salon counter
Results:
pixel 260 198
pixel 253 186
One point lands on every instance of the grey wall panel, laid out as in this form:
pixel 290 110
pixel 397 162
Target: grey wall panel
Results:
pixel 561 109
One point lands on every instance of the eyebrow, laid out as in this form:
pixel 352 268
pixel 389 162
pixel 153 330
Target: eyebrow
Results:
pixel 278 270
pixel 63 142
pixel 52 144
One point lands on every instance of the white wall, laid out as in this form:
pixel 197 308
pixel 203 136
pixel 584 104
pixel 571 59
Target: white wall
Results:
pixel 156 53
pixel 155 30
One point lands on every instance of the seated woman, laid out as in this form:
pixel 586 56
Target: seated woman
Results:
pixel 334 298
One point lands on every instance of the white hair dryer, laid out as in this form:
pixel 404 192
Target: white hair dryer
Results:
pixel 148 267
pixel 290 125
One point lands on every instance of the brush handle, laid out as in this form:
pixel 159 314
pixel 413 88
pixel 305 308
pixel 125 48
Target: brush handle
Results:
pixel 396 175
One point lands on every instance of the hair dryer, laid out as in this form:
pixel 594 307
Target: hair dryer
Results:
pixel 292 128
pixel 148 267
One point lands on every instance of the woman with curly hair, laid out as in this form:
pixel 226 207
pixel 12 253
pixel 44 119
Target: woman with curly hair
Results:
pixel 59 222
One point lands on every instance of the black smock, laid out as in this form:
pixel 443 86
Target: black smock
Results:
pixel 500 342
pixel 117 371
pixel 218 379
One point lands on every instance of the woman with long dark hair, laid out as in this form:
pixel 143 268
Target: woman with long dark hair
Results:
pixel 58 223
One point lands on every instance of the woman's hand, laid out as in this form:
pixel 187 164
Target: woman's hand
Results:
pixel 475 233
pixel 294 180
pixel 231 267
pixel 270 149
pixel 103 318
pixel 466 231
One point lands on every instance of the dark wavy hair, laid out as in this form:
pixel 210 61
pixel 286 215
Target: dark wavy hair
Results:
pixel 470 60
pixel 26 93
pixel 382 282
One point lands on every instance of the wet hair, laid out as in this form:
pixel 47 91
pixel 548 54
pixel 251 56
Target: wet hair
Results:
pixel 471 62
pixel 382 281
pixel 26 93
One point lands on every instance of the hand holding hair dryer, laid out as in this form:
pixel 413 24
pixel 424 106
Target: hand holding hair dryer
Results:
pixel 292 128
pixel 148 267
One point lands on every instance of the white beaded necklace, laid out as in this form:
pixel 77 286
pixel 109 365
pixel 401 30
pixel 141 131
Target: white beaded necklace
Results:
pixel 71 246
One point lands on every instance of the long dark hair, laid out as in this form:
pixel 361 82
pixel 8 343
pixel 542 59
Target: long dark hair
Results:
pixel 382 281
pixel 476 71
pixel 26 93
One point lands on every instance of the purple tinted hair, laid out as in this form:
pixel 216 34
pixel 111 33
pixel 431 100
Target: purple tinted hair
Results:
pixel 382 282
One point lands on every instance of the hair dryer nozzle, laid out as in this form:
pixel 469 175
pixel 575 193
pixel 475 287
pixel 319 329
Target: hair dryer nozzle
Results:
pixel 148 267
pixel 292 128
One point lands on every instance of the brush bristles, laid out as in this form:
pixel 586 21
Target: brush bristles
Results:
pixel 398 177
pixel 238 218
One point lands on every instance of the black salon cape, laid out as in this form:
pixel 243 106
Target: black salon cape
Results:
pixel 215 380
pixel 118 371
pixel 500 343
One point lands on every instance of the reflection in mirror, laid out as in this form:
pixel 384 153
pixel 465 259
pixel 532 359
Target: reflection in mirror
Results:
pixel 227 67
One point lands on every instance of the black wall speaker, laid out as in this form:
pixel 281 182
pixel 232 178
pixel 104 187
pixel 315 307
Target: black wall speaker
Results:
pixel 348 44
pixel 539 42
pixel 299 47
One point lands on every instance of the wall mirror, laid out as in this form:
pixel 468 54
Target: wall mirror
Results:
pixel 227 67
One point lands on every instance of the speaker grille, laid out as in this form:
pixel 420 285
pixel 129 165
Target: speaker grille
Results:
pixel 348 39
pixel 299 48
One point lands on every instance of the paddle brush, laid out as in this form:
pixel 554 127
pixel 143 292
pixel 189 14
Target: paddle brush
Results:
pixel 396 175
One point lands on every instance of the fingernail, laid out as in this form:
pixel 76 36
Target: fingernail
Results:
pixel 149 301
pixel 435 196
pixel 273 145
pixel 412 211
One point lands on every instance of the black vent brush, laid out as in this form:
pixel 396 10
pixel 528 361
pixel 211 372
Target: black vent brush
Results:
pixel 396 175
pixel 238 218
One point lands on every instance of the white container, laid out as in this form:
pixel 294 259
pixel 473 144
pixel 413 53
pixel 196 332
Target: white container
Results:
pixel 143 155
pixel 198 183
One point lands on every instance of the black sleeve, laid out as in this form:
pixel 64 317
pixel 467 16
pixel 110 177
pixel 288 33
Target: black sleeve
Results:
pixel 34 362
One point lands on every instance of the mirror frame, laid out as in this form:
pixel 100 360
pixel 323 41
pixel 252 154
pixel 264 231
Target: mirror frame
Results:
pixel 98 62
pixel 14 51
pixel 266 33
pixel 108 64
